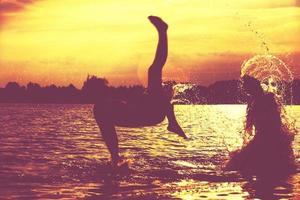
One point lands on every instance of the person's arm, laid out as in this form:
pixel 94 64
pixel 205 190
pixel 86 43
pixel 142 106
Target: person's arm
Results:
pixel 249 123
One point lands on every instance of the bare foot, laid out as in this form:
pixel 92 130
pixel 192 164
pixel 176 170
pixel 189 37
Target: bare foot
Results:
pixel 120 162
pixel 158 23
pixel 177 129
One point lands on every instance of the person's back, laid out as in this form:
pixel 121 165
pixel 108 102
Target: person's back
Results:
pixel 266 116
pixel 147 110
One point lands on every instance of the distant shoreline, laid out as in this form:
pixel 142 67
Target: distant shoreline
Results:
pixel 96 89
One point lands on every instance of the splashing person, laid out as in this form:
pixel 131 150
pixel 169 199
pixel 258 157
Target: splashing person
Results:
pixel 148 111
pixel 269 152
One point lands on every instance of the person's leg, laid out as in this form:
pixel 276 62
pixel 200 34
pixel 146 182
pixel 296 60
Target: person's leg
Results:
pixel 173 125
pixel 155 73
pixel 110 138
pixel 108 132
pixel 155 70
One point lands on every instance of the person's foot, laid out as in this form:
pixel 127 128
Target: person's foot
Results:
pixel 120 162
pixel 158 23
pixel 177 129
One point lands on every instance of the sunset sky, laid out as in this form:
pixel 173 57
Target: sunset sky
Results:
pixel 61 42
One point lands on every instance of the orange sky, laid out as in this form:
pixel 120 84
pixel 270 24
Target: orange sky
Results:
pixel 54 41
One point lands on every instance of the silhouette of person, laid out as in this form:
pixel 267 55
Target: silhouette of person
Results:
pixel 269 152
pixel 150 110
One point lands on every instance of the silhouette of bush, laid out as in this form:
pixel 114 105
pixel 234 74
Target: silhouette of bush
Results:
pixel 13 92
pixel 94 89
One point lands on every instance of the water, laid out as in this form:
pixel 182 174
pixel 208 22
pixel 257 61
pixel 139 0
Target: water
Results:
pixel 56 152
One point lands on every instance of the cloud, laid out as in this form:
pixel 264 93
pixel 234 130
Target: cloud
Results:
pixel 7 7
pixel 10 7
pixel 227 66
pixel 25 1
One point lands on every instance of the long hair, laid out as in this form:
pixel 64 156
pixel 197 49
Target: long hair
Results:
pixel 252 88
pixel 265 110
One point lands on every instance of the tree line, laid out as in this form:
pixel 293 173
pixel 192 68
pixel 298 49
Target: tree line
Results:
pixel 97 89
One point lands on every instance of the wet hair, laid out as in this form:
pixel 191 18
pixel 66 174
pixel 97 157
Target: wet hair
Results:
pixel 267 111
pixel 251 86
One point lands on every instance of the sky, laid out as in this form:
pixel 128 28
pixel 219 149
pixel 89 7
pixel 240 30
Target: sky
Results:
pixel 61 42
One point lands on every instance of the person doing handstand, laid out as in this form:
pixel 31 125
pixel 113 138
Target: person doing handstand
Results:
pixel 149 110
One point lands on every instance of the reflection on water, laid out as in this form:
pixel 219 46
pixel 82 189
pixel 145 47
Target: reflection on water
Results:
pixel 56 152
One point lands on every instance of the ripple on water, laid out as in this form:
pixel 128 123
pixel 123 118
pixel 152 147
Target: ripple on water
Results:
pixel 55 151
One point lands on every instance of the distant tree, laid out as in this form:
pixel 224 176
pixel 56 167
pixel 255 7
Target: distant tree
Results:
pixel 94 89
pixel 50 94
pixel 12 86
pixel 224 92
pixel 33 91
pixel 196 95
pixel 13 92
pixel 33 87
pixel 70 94
pixel 71 87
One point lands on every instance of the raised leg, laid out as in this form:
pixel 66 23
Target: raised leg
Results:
pixel 155 73
pixel 155 70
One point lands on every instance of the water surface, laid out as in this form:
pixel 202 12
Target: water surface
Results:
pixel 56 152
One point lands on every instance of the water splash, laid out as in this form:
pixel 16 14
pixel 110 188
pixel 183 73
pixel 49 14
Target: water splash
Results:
pixel 180 88
pixel 260 36
pixel 273 74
